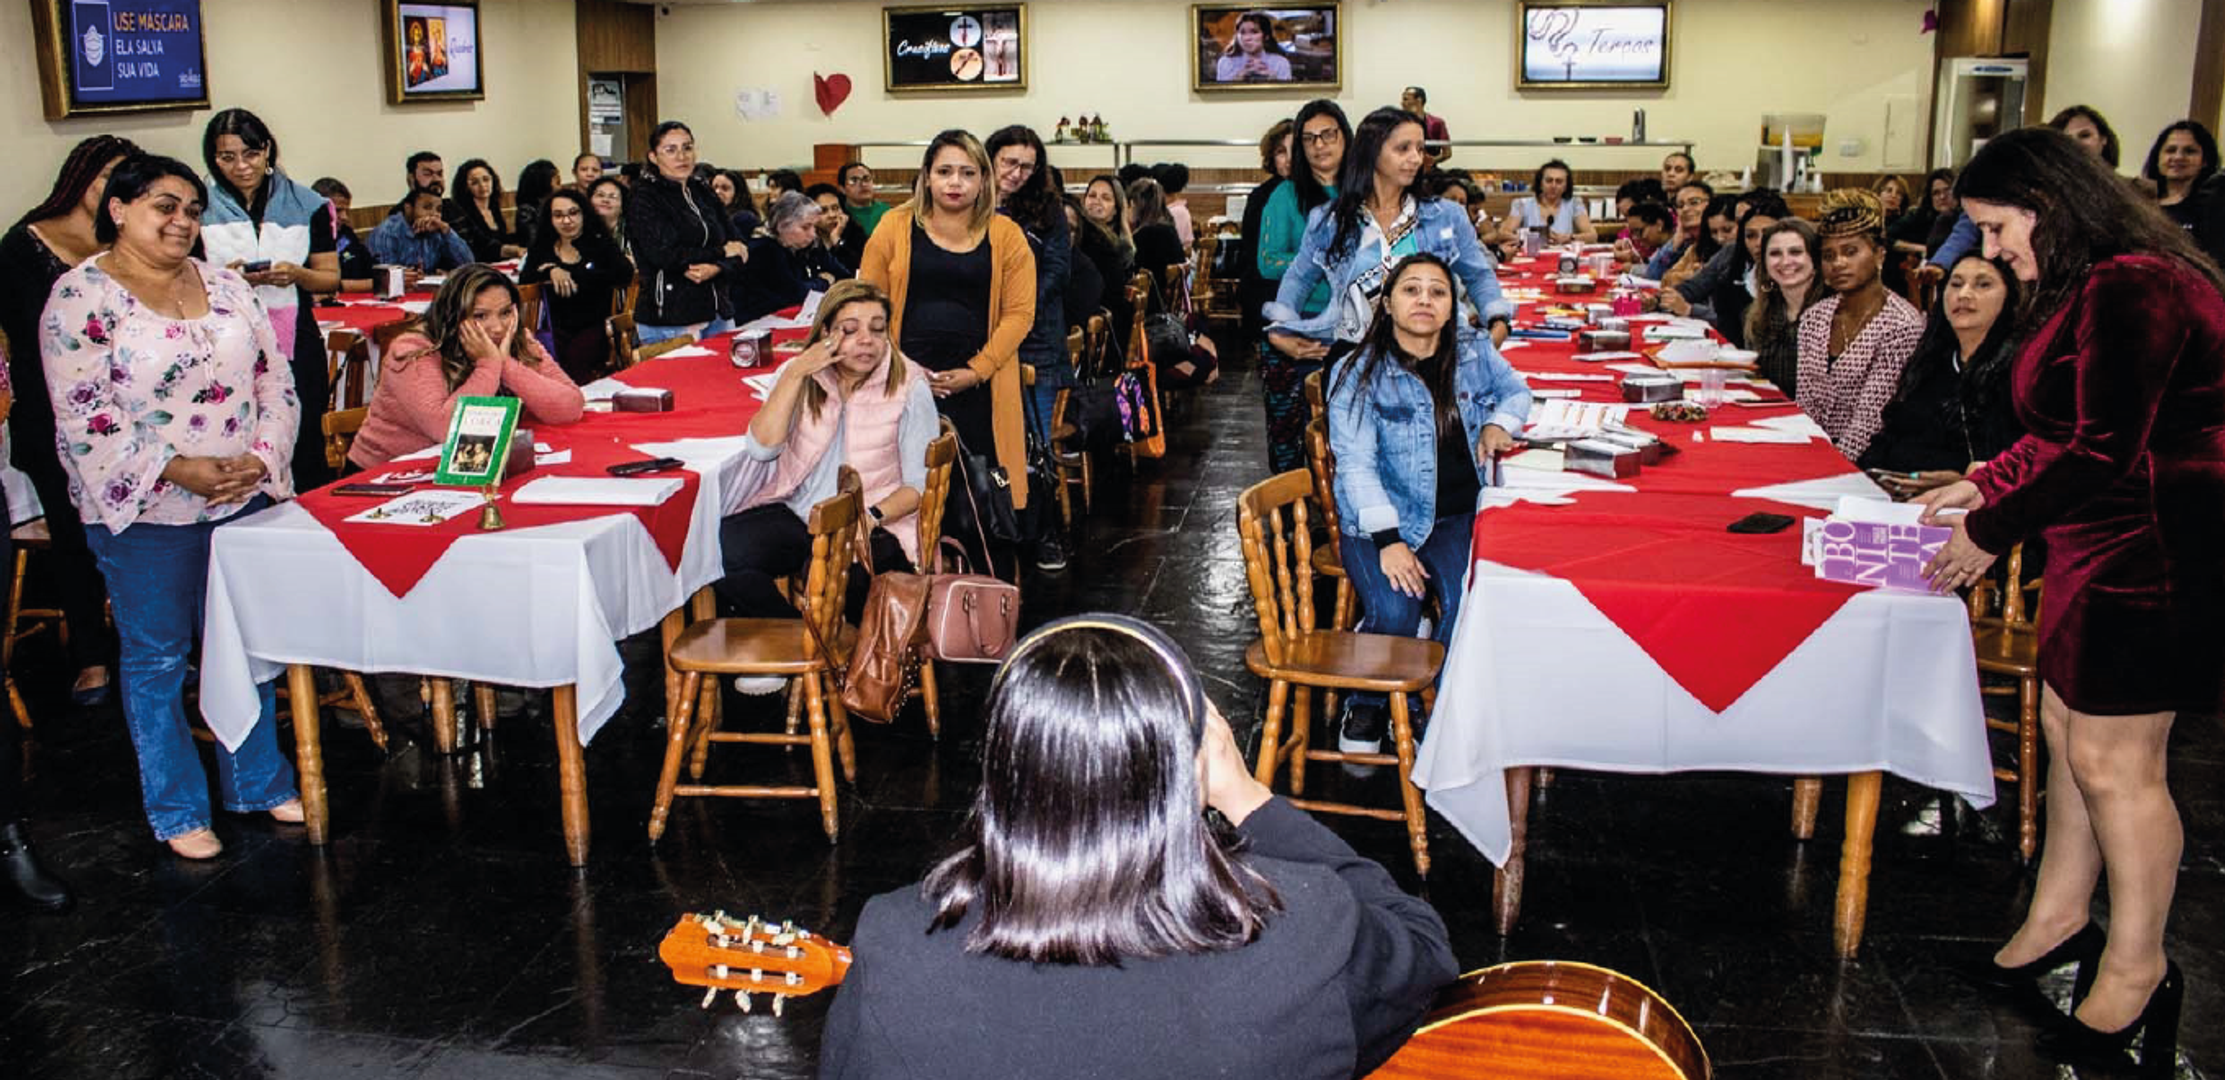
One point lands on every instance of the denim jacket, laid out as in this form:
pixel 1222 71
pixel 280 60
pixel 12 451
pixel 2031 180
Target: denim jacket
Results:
pixel 1384 435
pixel 1441 229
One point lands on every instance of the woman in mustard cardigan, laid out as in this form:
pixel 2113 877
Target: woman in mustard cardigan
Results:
pixel 973 302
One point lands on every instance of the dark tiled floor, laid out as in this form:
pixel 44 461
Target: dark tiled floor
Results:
pixel 441 935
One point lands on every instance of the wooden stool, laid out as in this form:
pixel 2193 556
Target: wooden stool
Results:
pixel 28 536
pixel 792 648
pixel 1292 653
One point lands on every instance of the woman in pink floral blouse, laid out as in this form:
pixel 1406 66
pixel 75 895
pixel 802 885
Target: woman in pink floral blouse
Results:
pixel 174 411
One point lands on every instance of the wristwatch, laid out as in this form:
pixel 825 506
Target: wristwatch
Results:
pixel 876 512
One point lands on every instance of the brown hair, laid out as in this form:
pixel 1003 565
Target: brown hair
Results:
pixel 984 204
pixel 1272 142
pixel 1769 298
pixel 842 295
pixel 443 322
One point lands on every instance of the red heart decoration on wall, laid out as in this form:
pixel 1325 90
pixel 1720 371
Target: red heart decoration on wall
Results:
pixel 831 90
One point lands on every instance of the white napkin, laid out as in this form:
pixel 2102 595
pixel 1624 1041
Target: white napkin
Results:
pixel 1725 433
pixel 1797 422
pixel 686 352
pixel 598 491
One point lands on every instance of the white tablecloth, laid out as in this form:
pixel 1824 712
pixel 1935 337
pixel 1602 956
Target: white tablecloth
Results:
pixel 541 606
pixel 1538 676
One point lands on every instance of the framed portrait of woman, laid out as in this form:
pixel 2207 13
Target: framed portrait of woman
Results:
pixel 1240 48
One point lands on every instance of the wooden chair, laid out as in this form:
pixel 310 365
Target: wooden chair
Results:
pixel 651 352
pixel 1293 655
pixel 780 647
pixel 1139 360
pixel 1065 501
pixel 2008 646
pixel 942 456
pixel 529 308
pixel 340 428
pixel 1097 346
pixel 1317 402
pixel 1068 456
pixel 348 368
pixel 1923 281
pixel 625 340
pixel 30 536
pixel 1328 560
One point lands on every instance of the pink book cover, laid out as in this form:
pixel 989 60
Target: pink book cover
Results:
pixel 1877 554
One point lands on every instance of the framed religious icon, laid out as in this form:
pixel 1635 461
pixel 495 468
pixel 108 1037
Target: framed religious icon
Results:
pixel 929 49
pixel 1592 44
pixel 433 51
pixel 1235 47
pixel 478 443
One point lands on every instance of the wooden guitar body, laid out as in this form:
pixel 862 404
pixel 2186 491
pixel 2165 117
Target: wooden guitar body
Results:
pixel 1549 1020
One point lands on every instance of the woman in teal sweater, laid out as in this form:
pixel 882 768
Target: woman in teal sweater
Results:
pixel 1322 135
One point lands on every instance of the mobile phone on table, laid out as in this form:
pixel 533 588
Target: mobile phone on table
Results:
pixel 1761 523
pixel 645 466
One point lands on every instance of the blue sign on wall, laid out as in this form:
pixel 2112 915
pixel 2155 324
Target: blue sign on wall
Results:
pixel 133 52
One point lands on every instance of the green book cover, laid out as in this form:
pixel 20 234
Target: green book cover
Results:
pixel 478 442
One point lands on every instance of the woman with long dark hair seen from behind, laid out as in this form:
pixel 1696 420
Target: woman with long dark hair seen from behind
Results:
pixel 259 217
pixel 1091 900
pixel 2122 385
pixel 155 471
pixel 44 244
pixel 467 344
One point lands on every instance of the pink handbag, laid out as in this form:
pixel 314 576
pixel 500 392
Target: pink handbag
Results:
pixel 971 618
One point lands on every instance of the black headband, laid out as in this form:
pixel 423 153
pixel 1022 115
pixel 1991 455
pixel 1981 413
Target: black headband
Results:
pixel 1177 661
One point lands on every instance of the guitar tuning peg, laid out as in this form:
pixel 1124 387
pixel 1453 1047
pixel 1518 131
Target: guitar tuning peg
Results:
pixel 778 1001
pixel 710 994
pixel 741 998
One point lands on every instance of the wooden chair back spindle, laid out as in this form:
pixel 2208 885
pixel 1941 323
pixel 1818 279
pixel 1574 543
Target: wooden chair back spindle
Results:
pixel 1278 558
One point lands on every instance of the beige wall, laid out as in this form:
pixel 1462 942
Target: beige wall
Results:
pixel 311 69
pixel 2131 59
pixel 1129 60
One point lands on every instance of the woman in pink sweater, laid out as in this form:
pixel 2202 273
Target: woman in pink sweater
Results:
pixel 468 344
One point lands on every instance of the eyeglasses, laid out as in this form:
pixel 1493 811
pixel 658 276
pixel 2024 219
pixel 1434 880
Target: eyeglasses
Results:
pixel 250 155
pixel 1321 138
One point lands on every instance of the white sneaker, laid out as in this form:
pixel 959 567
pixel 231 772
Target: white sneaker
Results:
pixel 760 685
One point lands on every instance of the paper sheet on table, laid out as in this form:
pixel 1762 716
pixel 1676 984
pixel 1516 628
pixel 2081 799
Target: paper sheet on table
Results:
pixel 1566 376
pixel 1797 422
pixel 1635 369
pixel 1732 396
pixel 1573 420
pixel 1555 392
pixel 1540 486
pixel 602 389
pixel 1540 460
pixel 421 508
pixel 432 451
pixel 1730 434
pixel 1513 344
pixel 553 457
pixel 697 453
pixel 1823 493
pixel 598 491
pixel 686 352
pixel 1596 357
pixel 414 307
pixel 761 384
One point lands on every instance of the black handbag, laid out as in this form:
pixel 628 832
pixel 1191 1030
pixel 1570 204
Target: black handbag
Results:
pixel 989 496
pixel 1094 410
pixel 1166 339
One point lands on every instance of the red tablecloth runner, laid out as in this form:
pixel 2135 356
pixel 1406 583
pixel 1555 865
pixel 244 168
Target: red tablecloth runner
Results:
pixel 709 400
pixel 364 313
pixel 1717 610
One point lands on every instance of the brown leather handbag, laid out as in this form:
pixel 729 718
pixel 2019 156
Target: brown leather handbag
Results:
pixel 885 664
pixel 971 618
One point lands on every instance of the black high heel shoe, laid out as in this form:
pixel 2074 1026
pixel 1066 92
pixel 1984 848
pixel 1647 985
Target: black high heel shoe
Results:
pixel 2082 948
pixel 2074 1043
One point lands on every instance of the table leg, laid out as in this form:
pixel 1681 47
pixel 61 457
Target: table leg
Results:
pixel 1807 796
pixel 301 690
pixel 571 770
pixel 1506 882
pixel 1854 861
pixel 444 714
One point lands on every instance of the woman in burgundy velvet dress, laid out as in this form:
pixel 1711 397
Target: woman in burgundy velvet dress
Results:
pixel 2123 390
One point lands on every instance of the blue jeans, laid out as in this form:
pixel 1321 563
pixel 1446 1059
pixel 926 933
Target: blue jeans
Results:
pixel 651 335
pixel 157 577
pixel 1385 610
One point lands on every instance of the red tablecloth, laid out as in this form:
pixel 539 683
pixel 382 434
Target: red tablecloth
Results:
pixel 364 313
pixel 709 400
pixel 1717 610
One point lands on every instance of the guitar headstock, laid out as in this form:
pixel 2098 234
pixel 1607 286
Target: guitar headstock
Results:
pixel 720 952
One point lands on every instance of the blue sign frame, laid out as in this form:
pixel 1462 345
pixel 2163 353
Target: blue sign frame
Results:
pixel 111 56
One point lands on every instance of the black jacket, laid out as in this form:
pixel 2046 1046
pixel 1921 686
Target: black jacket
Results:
pixel 484 240
pixel 776 278
pixel 1330 989
pixel 671 228
pixel 601 272
pixel 1045 345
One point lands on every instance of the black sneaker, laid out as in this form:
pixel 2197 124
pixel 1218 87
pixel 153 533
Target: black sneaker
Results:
pixel 1050 554
pixel 1360 730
